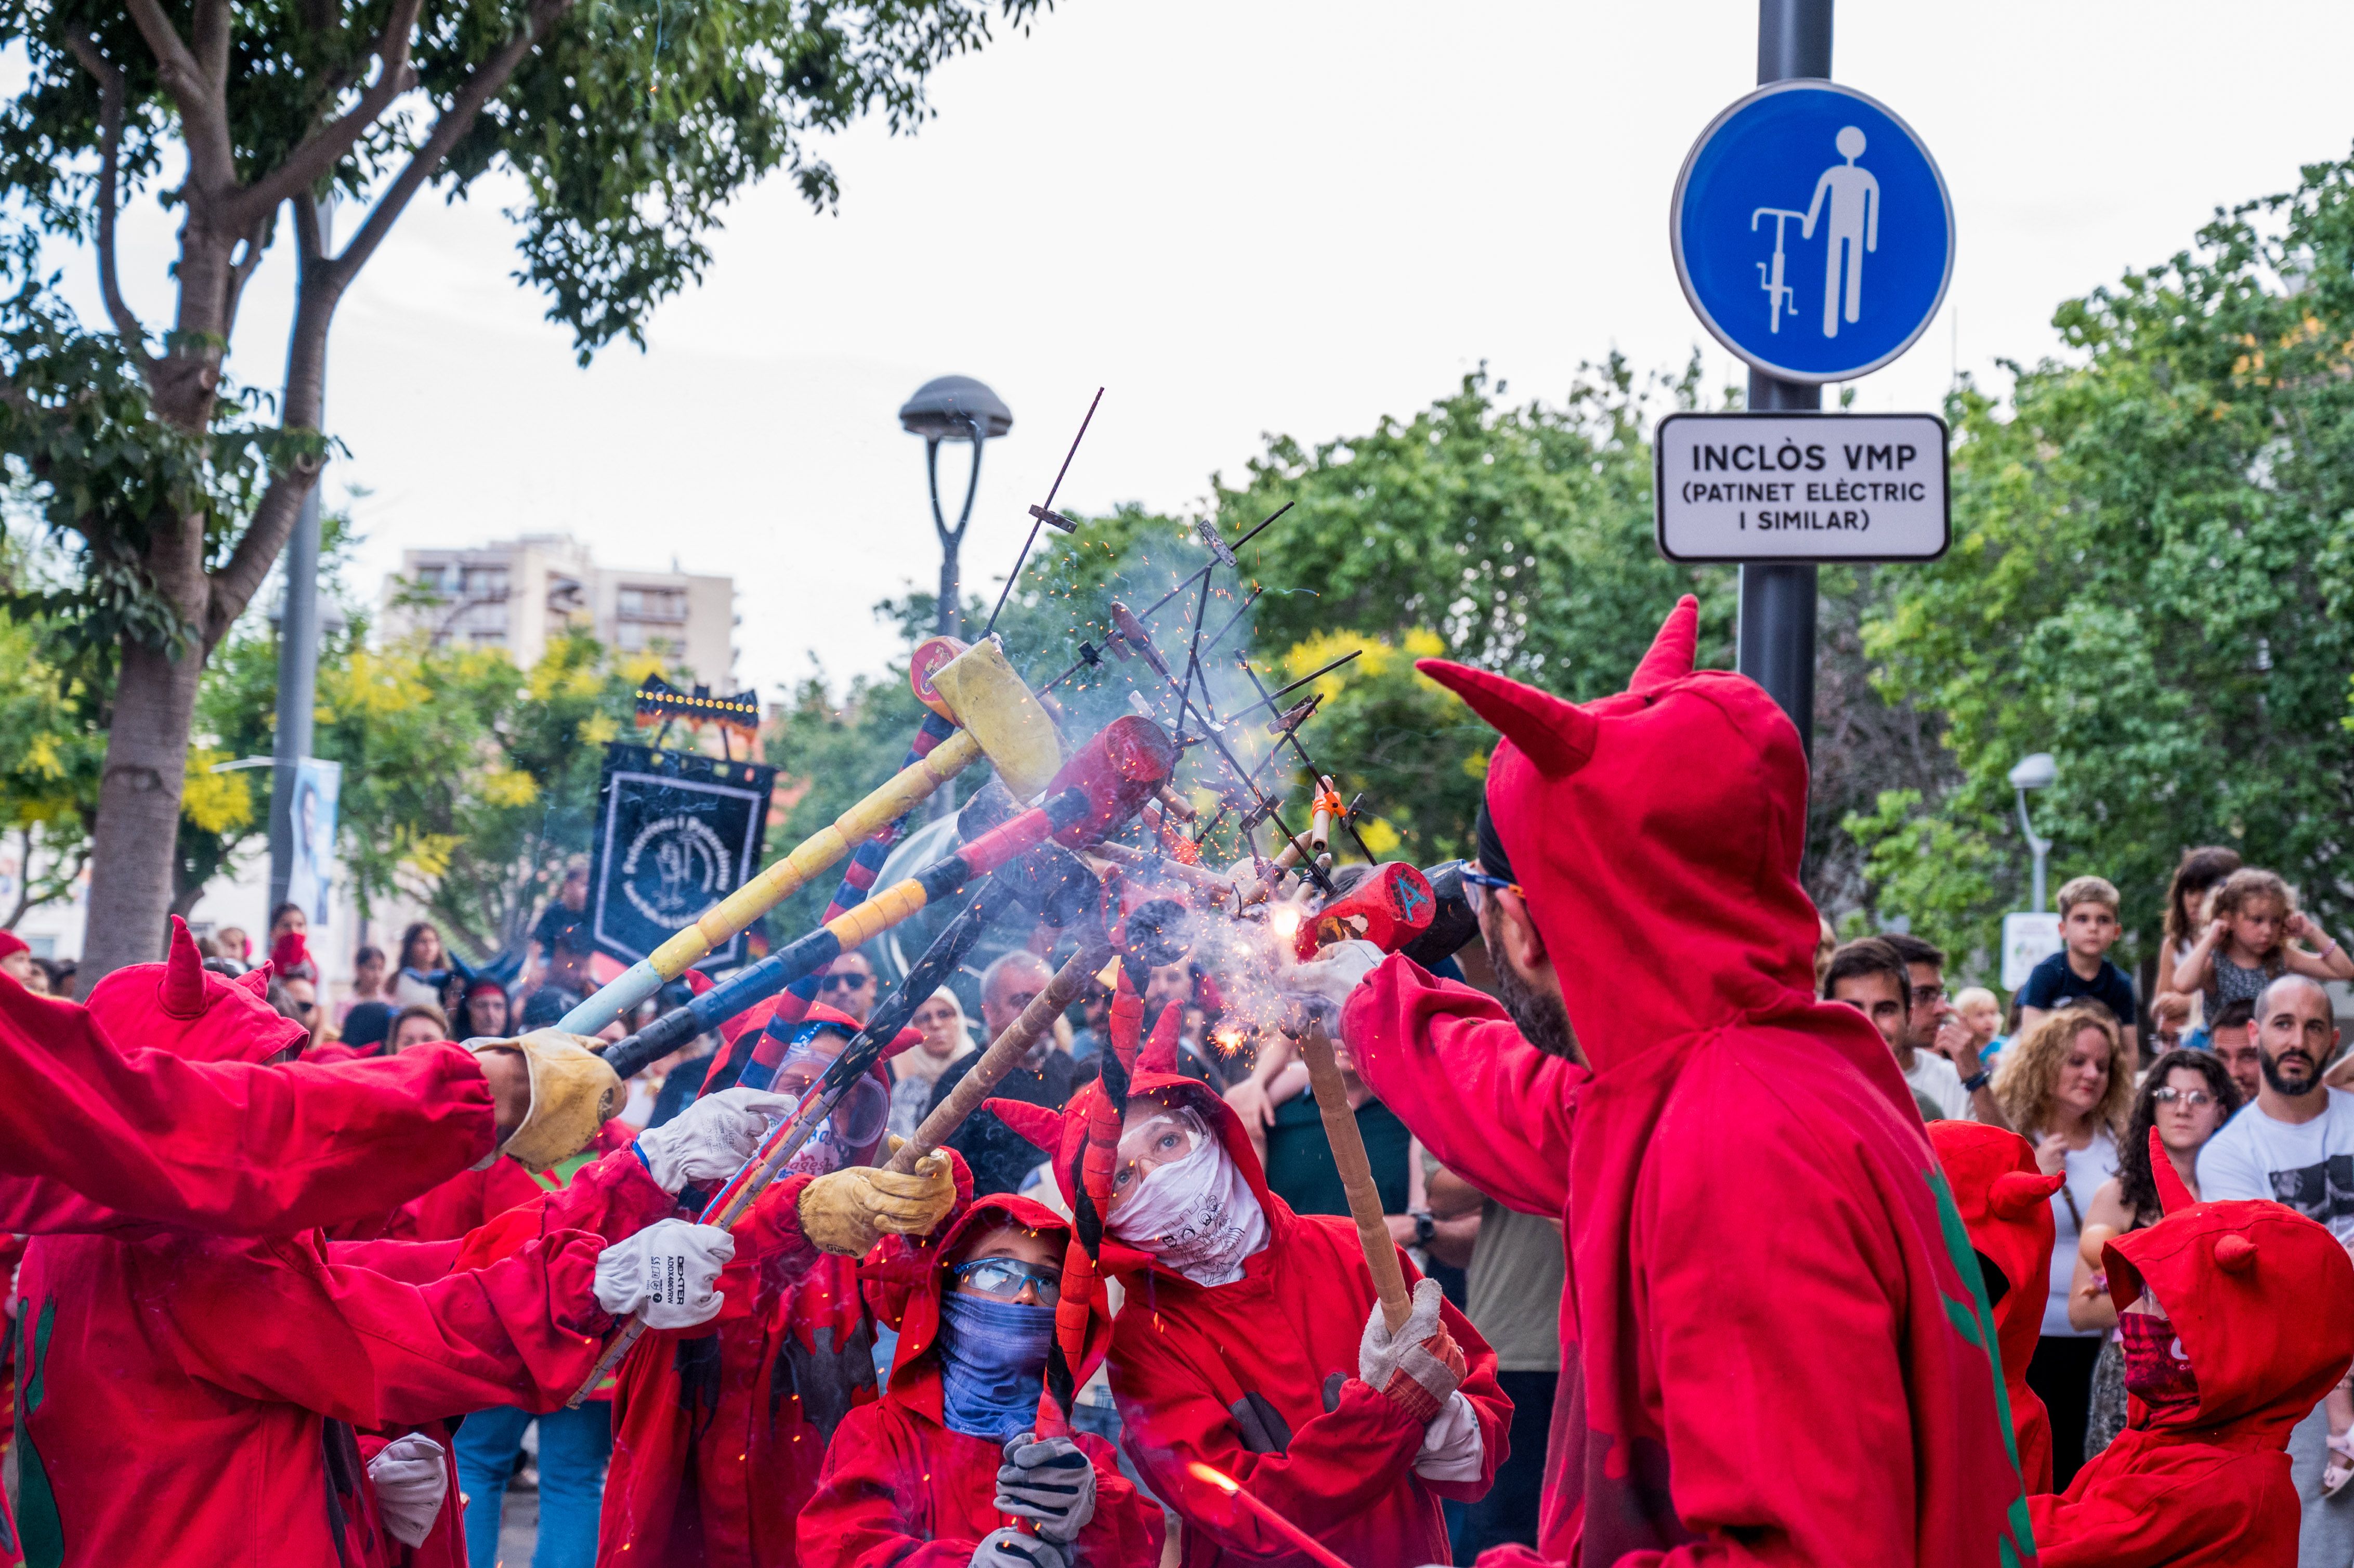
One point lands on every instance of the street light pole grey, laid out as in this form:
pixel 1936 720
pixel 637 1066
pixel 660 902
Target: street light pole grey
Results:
pixel 2035 773
pixel 953 409
pixel 1775 639
pixel 298 660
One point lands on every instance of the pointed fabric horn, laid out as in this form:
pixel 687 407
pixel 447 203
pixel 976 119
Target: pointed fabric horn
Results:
pixel 2234 1253
pixel 182 994
pixel 1160 1052
pixel 255 980
pixel 1558 737
pixel 1670 658
pixel 2173 1197
pixel 1036 1124
pixel 2019 1193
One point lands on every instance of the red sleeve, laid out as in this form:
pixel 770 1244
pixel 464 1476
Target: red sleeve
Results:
pixel 613 1198
pixel 2128 1520
pixel 276 1322
pixel 231 1148
pixel 854 1518
pixel 1491 1106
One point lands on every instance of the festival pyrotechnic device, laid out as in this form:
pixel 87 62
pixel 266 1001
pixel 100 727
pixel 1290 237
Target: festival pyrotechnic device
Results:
pixel 1267 1516
pixel 1390 908
pixel 1452 923
pixel 1044 514
pixel 887 907
pixel 1003 1054
pixel 997 712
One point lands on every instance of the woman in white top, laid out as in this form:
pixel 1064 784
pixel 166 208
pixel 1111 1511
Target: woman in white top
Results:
pixel 946 1038
pixel 2065 1084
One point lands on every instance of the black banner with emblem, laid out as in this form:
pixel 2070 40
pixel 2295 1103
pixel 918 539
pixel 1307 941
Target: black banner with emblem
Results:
pixel 676 832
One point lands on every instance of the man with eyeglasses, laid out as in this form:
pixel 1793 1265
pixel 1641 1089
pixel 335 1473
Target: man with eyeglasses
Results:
pixel 1938 1055
pixel 1775 1349
pixel 1001 1158
pixel 848 985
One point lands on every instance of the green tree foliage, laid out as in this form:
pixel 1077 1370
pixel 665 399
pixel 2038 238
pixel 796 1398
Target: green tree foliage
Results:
pixel 2153 579
pixel 630 123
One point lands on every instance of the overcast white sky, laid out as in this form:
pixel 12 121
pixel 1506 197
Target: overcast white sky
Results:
pixel 1239 217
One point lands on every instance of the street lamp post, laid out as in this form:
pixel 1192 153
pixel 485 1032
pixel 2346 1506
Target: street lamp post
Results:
pixel 953 409
pixel 2035 773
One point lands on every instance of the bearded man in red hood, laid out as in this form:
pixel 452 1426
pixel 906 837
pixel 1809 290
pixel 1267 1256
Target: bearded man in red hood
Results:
pixel 1774 1344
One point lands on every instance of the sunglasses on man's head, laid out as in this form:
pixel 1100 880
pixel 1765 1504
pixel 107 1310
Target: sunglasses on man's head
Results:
pixel 1003 1278
pixel 845 983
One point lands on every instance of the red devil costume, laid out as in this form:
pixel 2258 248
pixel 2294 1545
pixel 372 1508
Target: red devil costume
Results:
pixel 719 1436
pixel 1257 1378
pixel 2258 1305
pixel 97 1120
pixel 189 1398
pixel 2005 1206
pixel 1775 1349
pixel 900 1490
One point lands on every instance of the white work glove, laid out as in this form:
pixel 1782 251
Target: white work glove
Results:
pixel 410 1482
pixel 1420 1366
pixel 1335 971
pixel 1008 1548
pixel 710 1140
pixel 1050 1481
pixel 1451 1448
pixel 666 1273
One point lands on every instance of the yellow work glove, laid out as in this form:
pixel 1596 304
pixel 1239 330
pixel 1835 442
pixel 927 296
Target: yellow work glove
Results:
pixel 847 1212
pixel 573 1093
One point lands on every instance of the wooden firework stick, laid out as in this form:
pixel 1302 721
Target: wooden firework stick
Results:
pixel 1003 1054
pixel 1356 1174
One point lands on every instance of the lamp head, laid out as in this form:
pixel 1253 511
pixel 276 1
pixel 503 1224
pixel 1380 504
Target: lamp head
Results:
pixel 2035 773
pixel 955 408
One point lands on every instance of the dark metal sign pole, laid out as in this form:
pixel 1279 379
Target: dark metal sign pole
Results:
pixel 1776 637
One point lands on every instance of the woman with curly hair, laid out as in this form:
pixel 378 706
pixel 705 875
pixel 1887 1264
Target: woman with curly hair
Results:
pixel 2186 1095
pixel 2065 1086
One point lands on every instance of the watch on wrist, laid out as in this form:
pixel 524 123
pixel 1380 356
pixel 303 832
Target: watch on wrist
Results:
pixel 1425 1226
pixel 1976 1080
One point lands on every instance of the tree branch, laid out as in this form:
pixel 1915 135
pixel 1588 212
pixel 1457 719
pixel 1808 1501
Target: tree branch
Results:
pixel 210 27
pixel 319 153
pixel 109 142
pixel 242 577
pixel 488 80
pixel 204 111
pixel 257 242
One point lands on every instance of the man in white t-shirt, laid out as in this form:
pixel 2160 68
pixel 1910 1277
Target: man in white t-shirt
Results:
pixel 2295 1144
pixel 1938 1048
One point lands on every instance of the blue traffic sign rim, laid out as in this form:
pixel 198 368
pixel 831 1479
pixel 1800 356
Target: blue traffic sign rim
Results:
pixel 1659 483
pixel 1676 235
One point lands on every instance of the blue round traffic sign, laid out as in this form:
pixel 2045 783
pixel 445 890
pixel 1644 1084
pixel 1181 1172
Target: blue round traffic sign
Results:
pixel 1812 232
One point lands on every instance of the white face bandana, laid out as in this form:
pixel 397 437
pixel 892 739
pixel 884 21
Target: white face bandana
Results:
pixel 1197 1215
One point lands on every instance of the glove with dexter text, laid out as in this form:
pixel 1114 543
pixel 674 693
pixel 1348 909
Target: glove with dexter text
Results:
pixel 1050 1481
pixel 1008 1547
pixel 573 1093
pixel 667 1274
pixel 410 1482
pixel 710 1140
pixel 1420 1366
pixel 847 1212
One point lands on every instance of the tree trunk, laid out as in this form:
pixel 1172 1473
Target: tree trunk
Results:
pixel 135 843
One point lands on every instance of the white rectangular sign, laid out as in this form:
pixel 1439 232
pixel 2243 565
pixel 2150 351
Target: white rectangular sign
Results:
pixel 1808 487
pixel 2027 940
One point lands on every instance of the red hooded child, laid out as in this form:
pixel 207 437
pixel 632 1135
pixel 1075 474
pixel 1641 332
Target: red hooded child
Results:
pixel 185 1397
pixel 1774 1345
pixel 1256 1374
pixel 900 1490
pixel 2005 1206
pixel 719 1433
pixel 2236 1318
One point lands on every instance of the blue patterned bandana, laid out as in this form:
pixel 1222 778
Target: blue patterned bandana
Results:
pixel 992 1364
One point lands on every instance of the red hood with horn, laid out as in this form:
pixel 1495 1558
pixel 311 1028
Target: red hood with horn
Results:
pixel 2005 1204
pixel 2260 1301
pixel 1747 1185
pixel 192 1012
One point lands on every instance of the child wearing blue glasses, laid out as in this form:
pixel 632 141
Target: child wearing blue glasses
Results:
pixel 945 1469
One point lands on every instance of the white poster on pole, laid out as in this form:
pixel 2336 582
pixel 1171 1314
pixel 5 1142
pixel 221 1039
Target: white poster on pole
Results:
pixel 316 785
pixel 2027 940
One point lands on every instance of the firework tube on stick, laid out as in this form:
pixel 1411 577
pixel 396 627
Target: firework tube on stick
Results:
pixel 1329 808
pixel 1209 883
pixel 1307 1543
pixel 806 954
pixel 1003 1054
pixel 817 1102
pixel 1001 721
